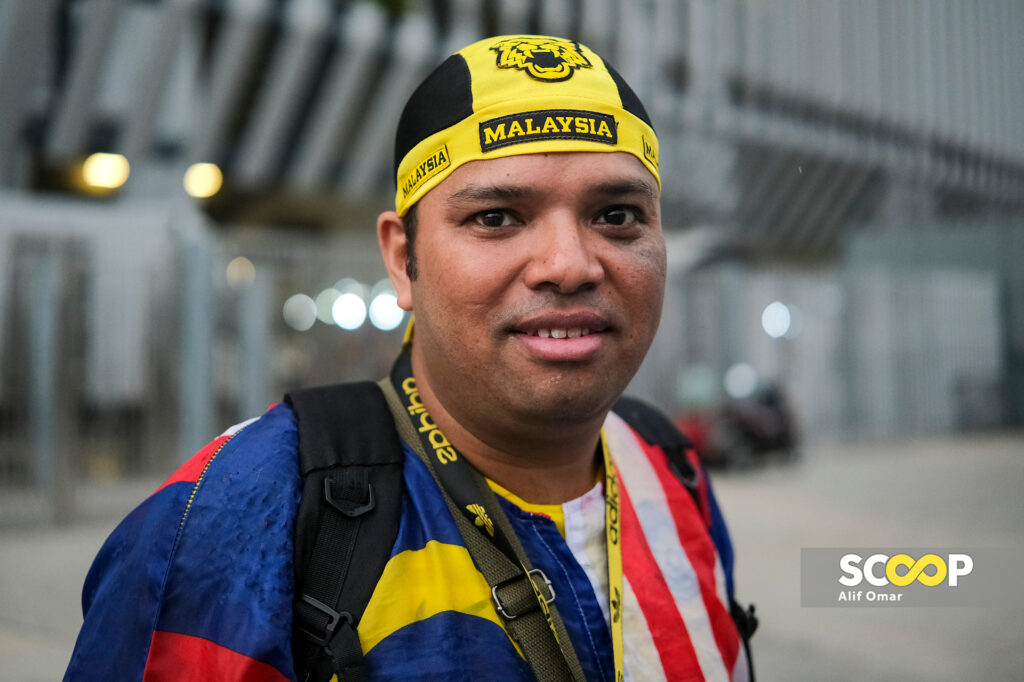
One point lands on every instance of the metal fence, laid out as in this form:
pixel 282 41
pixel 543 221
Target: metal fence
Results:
pixel 130 338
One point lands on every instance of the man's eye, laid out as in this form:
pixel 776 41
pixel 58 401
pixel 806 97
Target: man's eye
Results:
pixel 493 218
pixel 619 216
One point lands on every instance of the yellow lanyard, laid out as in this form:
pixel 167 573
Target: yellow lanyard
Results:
pixel 613 537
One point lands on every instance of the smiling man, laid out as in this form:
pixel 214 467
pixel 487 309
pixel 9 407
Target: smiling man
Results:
pixel 493 509
pixel 538 291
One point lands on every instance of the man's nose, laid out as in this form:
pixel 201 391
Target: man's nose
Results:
pixel 563 257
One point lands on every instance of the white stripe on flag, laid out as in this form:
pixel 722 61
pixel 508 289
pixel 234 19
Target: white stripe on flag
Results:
pixel 641 482
pixel 238 427
pixel 641 656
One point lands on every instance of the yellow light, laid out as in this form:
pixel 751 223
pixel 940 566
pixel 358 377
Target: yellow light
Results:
pixel 240 272
pixel 105 171
pixel 203 180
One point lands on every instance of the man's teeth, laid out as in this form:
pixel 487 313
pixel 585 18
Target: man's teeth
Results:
pixel 573 333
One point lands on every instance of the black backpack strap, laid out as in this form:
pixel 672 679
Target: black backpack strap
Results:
pixel 656 429
pixel 351 465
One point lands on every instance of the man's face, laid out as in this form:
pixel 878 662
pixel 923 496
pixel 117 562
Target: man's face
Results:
pixel 540 284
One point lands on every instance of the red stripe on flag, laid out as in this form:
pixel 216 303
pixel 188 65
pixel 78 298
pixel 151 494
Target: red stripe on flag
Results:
pixel 193 468
pixel 700 550
pixel 174 657
pixel 678 658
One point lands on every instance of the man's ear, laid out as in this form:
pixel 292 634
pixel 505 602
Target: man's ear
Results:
pixel 393 248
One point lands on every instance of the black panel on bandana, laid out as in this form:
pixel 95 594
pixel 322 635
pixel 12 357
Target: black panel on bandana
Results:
pixel 440 101
pixel 630 102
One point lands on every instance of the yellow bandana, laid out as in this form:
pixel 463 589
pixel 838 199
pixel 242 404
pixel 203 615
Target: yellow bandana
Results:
pixel 527 95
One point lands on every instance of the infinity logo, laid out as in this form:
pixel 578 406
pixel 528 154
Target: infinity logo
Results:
pixel 902 569
pixel 915 570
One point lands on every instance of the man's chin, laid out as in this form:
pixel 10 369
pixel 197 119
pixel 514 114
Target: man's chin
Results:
pixel 577 406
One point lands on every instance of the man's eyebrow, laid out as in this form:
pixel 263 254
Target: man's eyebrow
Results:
pixel 626 187
pixel 492 193
pixel 614 188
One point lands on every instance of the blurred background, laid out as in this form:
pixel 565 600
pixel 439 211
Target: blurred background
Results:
pixel 188 190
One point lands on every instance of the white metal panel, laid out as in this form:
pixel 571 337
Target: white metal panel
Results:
pixel 369 160
pixel 162 29
pixel 907 37
pixel 670 43
pixel 597 27
pixel 467 27
pixel 179 111
pixel 928 66
pixel 945 111
pixel 969 36
pixel 990 74
pixel 634 28
pixel 957 76
pixel 759 40
pixel 306 25
pixel 233 57
pixel 362 28
pixel 871 53
pixel 725 46
pixel 514 16
pixel 832 42
pixel 1012 62
pixel 555 17
pixel 803 57
pixel 1013 68
pixel 122 258
pixel 133 32
pixel 793 69
pixel 967 331
pixel 872 372
pixel 779 29
pixel 73 113
pixel 704 77
pixel 25 32
pixel 1012 142
pixel 888 47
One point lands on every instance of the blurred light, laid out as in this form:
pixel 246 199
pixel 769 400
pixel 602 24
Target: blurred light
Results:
pixel 776 319
pixel 324 302
pixel 105 171
pixel 383 286
pixel 349 311
pixel 240 273
pixel 299 312
pixel 203 180
pixel 697 386
pixel 347 285
pixel 740 380
pixel 796 322
pixel 385 313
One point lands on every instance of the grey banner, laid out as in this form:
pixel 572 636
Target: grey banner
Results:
pixel 965 577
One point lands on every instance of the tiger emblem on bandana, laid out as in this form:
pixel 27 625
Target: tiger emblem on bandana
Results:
pixel 543 59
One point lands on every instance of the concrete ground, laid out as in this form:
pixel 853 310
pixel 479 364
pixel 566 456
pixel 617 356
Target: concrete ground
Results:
pixel 963 492
pixel 956 493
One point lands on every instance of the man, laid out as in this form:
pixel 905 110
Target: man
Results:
pixel 527 242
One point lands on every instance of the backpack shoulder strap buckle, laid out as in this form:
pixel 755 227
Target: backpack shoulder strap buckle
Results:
pixel 355 487
pixel 308 619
